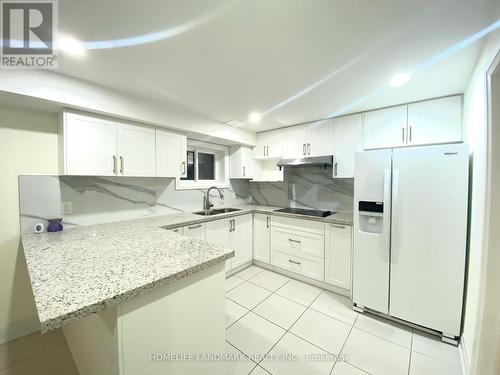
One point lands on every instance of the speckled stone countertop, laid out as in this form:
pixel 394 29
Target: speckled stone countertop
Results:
pixel 183 219
pixel 84 270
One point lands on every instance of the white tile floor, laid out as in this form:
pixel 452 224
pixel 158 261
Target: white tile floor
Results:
pixel 282 326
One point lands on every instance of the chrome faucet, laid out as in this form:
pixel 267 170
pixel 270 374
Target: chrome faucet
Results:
pixel 207 205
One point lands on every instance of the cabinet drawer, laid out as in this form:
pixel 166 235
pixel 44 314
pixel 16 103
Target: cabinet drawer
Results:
pixel 297 243
pixel 313 268
pixel 298 224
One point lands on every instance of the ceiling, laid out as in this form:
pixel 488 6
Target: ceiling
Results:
pixel 292 60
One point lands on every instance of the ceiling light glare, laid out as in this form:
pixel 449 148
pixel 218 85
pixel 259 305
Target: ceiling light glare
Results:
pixel 71 46
pixel 255 117
pixel 399 79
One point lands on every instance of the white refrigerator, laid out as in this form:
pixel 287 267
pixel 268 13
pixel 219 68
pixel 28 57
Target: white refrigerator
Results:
pixel 410 225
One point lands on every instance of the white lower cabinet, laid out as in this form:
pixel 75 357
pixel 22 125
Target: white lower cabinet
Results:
pixel 196 231
pixel 298 246
pixel 338 249
pixel 262 238
pixel 234 233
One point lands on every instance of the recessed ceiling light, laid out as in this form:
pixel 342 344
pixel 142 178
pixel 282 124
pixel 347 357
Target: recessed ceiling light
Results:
pixel 71 46
pixel 255 117
pixel 399 79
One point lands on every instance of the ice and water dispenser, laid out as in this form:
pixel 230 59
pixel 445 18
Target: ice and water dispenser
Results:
pixel 371 217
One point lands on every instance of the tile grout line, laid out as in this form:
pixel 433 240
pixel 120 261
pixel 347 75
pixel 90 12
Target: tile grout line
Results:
pixel 286 331
pixel 411 353
pixel 342 348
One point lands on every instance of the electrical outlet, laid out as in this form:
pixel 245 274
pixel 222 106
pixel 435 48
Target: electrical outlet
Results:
pixel 67 208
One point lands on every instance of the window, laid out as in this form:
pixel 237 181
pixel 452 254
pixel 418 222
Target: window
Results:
pixel 207 165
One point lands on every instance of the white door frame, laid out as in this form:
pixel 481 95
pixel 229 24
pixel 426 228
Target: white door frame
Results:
pixel 486 359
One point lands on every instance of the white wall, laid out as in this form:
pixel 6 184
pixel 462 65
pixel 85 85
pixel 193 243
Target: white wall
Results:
pixel 28 144
pixel 73 93
pixel 475 131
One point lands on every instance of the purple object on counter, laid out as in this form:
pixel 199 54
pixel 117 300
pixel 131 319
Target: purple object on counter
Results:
pixel 55 225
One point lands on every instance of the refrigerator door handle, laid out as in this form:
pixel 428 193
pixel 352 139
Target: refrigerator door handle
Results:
pixel 395 243
pixel 387 211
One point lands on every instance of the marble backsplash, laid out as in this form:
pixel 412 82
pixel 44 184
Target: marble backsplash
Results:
pixel 306 187
pixel 97 200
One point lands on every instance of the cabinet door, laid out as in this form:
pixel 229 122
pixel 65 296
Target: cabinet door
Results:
pixel 347 140
pixel 261 237
pixel 260 149
pixel 171 153
pixel 319 141
pixel 240 162
pixel 196 231
pixel 275 142
pixel 136 150
pixel 385 128
pixel 89 145
pixel 295 141
pixel 435 121
pixel 338 255
pixel 241 240
pixel 219 232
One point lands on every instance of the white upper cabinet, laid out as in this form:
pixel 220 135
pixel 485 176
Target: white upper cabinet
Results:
pixel 171 154
pixel 295 141
pixel 319 138
pixel 314 139
pixel 92 146
pixel 347 140
pixel 385 128
pixel 269 144
pixel 241 162
pixel 435 121
pixel 88 145
pixel 427 122
pixel 136 150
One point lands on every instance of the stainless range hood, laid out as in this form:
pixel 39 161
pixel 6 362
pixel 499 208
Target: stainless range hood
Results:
pixel 315 161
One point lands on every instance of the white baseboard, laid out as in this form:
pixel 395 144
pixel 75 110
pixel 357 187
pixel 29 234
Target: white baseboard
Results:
pixel 19 329
pixel 464 358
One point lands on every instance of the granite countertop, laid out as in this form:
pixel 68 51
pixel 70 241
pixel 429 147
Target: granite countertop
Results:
pixel 188 218
pixel 84 270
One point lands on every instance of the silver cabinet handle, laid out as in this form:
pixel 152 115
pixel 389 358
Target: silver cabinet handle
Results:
pixel 410 132
pixel 114 164
pixel 403 135
pixel 338 226
pixel 230 226
pixel 294 262
pixel 183 168
pixel 264 150
pixel 335 169
pixel 292 240
pixel 308 149
pixel 121 164
pixel 304 149
pixel 195 226
pixel 267 221
pixel 234 224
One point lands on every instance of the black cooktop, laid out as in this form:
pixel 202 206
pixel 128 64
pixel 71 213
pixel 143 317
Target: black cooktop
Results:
pixel 304 211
